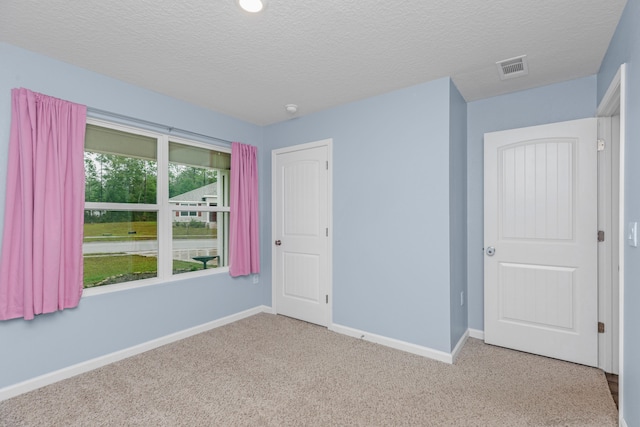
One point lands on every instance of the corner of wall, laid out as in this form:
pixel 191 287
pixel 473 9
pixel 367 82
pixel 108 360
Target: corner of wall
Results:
pixel 458 213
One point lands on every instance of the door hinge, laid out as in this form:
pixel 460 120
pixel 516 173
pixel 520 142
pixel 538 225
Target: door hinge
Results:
pixel 327 163
pixel 327 231
pixel 600 236
pixel 326 299
pixel 600 328
pixel 601 145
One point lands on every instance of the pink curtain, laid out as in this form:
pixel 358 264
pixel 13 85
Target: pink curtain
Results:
pixel 41 266
pixel 244 239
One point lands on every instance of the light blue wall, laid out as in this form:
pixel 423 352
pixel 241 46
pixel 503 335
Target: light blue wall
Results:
pixel 390 210
pixel 625 48
pixel 106 323
pixel 397 208
pixel 458 212
pixel 570 100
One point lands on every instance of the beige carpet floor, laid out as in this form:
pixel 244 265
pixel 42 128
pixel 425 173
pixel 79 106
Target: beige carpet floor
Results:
pixel 274 371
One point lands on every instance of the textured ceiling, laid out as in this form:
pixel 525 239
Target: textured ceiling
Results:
pixel 314 53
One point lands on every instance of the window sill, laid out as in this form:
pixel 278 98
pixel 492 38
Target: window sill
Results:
pixel 107 289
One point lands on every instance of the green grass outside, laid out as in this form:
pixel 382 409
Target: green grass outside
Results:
pixel 144 230
pixel 132 267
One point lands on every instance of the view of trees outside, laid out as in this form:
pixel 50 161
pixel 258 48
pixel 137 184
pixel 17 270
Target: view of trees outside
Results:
pixel 121 246
pixel 186 178
pixel 118 179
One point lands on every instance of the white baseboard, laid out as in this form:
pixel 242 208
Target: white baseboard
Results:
pixel 82 367
pixel 71 371
pixel 458 348
pixel 268 310
pixel 394 343
pixel 476 333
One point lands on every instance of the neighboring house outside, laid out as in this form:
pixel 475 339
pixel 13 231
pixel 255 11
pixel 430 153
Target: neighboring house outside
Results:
pixel 204 196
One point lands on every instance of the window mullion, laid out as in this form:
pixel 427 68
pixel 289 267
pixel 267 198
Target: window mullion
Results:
pixel 107 206
pixel 223 225
pixel 165 259
pixel 181 208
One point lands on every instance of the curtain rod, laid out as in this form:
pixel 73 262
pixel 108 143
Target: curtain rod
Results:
pixel 170 129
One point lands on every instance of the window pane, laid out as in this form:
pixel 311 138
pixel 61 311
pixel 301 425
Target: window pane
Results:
pixel 197 176
pixel 119 246
pixel 195 243
pixel 120 167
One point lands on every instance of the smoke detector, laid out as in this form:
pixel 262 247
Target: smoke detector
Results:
pixel 513 67
pixel 291 108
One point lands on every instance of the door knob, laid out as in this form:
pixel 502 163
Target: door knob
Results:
pixel 278 242
pixel 491 251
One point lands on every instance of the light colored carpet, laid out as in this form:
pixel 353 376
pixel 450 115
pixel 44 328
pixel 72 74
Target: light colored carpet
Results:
pixel 274 371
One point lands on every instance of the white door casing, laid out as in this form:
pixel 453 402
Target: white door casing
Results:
pixel 301 247
pixel 540 215
pixel 611 119
pixel 608 222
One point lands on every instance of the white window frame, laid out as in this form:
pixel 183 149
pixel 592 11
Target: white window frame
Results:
pixel 165 210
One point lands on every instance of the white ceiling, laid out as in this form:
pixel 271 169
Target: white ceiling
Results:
pixel 314 53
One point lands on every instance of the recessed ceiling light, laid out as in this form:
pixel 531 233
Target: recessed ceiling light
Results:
pixel 252 6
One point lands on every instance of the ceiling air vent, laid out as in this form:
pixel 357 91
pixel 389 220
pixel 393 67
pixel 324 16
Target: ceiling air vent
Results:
pixel 513 67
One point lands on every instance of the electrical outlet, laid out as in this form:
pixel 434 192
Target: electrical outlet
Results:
pixel 256 279
pixel 462 298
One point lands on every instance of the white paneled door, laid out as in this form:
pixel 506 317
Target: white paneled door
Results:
pixel 540 236
pixel 301 232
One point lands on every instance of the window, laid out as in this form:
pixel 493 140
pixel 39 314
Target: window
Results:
pixel 155 206
pixel 188 213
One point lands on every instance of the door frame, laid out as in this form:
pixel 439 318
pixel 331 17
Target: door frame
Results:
pixel 614 100
pixel 328 143
pixel 608 250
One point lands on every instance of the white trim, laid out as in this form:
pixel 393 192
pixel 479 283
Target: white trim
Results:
pixel 615 98
pixel 203 208
pixel 476 333
pixel 622 242
pixel 274 153
pixel 606 214
pixel 458 348
pixel 107 206
pixel 305 146
pixel 612 97
pixel 268 310
pixel 329 143
pixel 623 423
pixel 136 284
pixel 89 365
pixel 427 352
